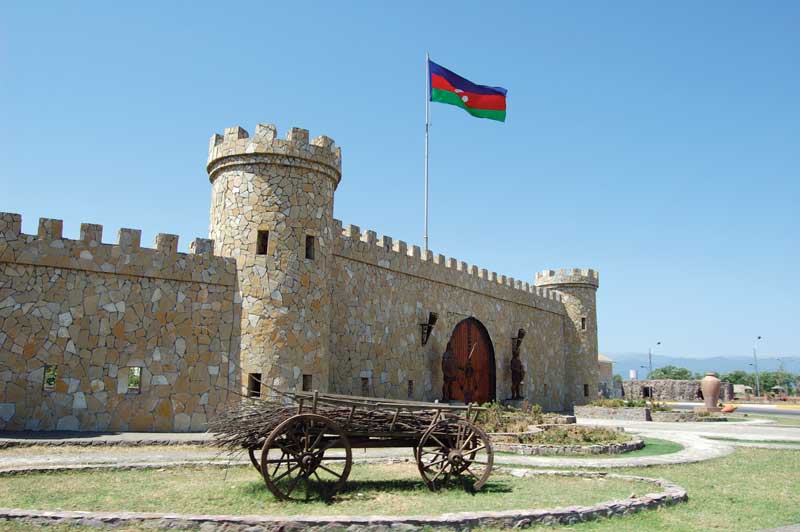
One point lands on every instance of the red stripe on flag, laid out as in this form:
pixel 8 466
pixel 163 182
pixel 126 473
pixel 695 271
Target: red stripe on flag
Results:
pixel 475 101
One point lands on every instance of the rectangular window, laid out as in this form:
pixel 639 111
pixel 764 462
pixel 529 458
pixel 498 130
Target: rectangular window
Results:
pixel 254 385
pixel 134 379
pixel 262 242
pixel 50 376
pixel 307 383
pixel 365 386
pixel 646 393
pixel 586 390
pixel 583 324
pixel 309 247
pixel 410 389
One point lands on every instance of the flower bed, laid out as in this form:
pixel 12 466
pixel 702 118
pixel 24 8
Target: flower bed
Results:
pixel 678 417
pixel 560 440
pixel 634 444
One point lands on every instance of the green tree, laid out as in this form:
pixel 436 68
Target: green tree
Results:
pixel 739 377
pixel 617 379
pixel 672 373
pixel 775 378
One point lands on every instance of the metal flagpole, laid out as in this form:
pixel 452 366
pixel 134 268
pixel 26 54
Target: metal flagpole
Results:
pixel 427 125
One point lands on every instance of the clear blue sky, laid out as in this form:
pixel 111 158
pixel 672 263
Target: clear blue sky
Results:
pixel 654 141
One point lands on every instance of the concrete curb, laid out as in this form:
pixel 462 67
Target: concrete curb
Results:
pixel 671 494
pixel 76 442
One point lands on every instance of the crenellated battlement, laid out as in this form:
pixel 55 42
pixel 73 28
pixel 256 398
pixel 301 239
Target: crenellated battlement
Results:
pixel 396 255
pixel 236 146
pixel 568 276
pixel 49 248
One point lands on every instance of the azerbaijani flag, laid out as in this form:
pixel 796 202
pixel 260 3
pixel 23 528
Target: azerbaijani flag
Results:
pixel 478 100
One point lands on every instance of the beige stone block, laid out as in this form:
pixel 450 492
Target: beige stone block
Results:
pixel 141 422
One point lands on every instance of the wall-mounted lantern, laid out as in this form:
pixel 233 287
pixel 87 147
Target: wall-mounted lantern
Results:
pixel 516 341
pixel 426 328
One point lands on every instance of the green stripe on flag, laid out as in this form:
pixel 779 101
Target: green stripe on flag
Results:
pixel 443 96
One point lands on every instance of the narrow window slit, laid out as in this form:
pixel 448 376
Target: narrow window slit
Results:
pixel 50 376
pixel 310 247
pixel 254 385
pixel 262 242
pixel 134 379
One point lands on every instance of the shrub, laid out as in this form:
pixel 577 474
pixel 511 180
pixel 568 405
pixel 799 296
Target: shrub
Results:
pixel 608 403
pixel 499 418
pixel 659 407
pixel 637 403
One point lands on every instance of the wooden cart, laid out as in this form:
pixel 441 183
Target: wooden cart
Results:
pixel 309 455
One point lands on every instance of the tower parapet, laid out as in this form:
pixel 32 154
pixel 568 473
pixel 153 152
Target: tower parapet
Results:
pixel 574 276
pixel 265 146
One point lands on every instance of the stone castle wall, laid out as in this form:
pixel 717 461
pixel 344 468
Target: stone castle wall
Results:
pixel 311 305
pixel 383 290
pixel 353 312
pixel 94 310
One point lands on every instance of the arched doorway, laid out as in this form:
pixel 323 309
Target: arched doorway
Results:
pixel 472 368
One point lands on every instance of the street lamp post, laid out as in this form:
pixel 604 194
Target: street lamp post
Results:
pixel 650 360
pixel 755 366
pixel 782 370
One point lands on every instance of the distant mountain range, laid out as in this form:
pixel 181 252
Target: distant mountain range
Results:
pixel 623 362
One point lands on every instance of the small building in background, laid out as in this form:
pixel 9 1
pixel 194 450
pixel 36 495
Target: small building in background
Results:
pixel 605 369
pixel 742 391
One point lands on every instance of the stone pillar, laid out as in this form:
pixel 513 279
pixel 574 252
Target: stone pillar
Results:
pixel 272 210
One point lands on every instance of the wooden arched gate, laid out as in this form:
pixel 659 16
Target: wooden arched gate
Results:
pixel 471 372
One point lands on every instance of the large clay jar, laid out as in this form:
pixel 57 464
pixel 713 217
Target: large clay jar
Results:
pixel 710 386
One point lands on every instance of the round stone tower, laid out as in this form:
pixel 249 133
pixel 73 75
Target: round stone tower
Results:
pixel 272 210
pixel 578 289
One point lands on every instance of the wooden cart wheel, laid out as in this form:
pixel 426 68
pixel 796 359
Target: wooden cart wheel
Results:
pixel 254 459
pixel 455 448
pixel 295 463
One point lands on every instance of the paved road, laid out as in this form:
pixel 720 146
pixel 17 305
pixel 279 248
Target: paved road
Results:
pixel 756 429
pixel 770 410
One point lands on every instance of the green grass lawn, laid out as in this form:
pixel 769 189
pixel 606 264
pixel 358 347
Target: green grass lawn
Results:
pixel 390 489
pixel 771 442
pixel 652 447
pixel 788 421
pixel 748 490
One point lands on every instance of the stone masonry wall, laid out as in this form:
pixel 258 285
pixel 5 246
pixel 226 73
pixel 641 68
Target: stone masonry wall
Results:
pixel 663 389
pixel 94 310
pixel 382 291
pixel 316 301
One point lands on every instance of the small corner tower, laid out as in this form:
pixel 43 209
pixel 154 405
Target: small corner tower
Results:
pixel 272 210
pixel 579 295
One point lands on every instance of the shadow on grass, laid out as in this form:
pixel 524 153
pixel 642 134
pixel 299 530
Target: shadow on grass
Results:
pixel 370 489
